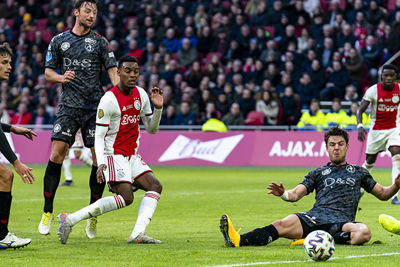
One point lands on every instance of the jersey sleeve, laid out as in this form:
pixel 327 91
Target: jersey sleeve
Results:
pixel 105 110
pixel 367 182
pixel 370 94
pixel 53 57
pixel 146 107
pixel 309 181
pixel 107 54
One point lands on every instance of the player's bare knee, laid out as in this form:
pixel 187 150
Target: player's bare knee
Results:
pixel 128 198
pixel 156 187
pixel 77 153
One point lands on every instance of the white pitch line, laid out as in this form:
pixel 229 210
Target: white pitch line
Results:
pixel 283 262
pixel 165 194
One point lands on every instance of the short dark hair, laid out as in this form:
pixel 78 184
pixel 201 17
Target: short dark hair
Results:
pixel 389 67
pixel 5 50
pixel 336 131
pixel 126 58
pixel 79 3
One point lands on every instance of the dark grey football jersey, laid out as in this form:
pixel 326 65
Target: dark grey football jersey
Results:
pixel 337 191
pixel 85 55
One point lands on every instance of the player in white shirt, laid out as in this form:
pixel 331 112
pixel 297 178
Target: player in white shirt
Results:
pixel 116 144
pixel 384 131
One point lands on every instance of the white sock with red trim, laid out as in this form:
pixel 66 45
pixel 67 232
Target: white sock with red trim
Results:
pixel 101 206
pixel 146 209
pixel 395 169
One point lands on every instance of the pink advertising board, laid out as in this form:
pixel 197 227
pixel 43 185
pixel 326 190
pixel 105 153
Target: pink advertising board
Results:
pixel 257 148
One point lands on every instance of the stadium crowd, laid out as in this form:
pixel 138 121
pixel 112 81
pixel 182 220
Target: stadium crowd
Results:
pixel 255 62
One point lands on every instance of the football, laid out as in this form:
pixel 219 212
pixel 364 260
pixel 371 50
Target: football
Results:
pixel 319 245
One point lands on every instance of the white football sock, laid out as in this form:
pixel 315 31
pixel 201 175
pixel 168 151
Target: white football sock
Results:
pixel 67 169
pixel 85 159
pixel 368 166
pixel 146 209
pixel 97 208
pixel 395 169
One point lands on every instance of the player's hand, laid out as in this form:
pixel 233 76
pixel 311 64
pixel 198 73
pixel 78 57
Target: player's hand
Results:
pixel 156 97
pixel 68 76
pixel 24 171
pixel 361 134
pixel 28 133
pixel 100 174
pixel 276 190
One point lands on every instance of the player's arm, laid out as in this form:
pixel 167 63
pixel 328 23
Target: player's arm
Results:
pixel 151 122
pixel 22 170
pixel 386 192
pixel 361 109
pixel 102 123
pixel 112 73
pixel 292 195
pixel 54 77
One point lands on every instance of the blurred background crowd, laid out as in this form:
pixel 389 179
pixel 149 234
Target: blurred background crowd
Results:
pixel 256 62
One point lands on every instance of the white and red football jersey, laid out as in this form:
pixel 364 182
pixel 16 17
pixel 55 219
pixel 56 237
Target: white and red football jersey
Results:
pixel 385 106
pixel 121 114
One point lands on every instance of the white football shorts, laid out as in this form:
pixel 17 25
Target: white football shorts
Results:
pixel 381 140
pixel 124 169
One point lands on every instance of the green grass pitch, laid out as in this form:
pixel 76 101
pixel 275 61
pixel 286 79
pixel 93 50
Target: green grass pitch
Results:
pixel 187 220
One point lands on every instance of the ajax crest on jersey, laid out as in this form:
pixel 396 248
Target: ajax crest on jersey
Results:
pixel 137 104
pixel 319 245
pixel 395 99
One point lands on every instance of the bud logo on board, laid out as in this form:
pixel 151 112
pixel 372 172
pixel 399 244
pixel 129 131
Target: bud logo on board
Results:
pixel 215 150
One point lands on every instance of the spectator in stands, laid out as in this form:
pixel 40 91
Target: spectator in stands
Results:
pixel 317 74
pixel 187 54
pixel 346 36
pixel 306 90
pixel 41 117
pixel 213 124
pixel 234 117
pixel 222 105
pixel 168 116
pixel 355 67
pixel 22 116
pixel 371 54
pixel 134 50
pixel 350 124
pixel 185 116
pixel 290 106
pixel 374 14
pixel 313 119
pixel 246 102
pixel 351 93
pixel 352 11
pixel 220 43
pixel 285 82
pixel 269 107
pixel 170 41
pixel 337 81
pixel 270 51
pixel 195 75
pixel 336 116
pixel 275 13
pixel 209 109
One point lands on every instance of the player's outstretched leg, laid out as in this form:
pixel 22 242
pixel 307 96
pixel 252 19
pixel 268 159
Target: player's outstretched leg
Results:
pixel 389 223
pixel 12 241
pixel 103 205
pixel 231 236
pixel 64 228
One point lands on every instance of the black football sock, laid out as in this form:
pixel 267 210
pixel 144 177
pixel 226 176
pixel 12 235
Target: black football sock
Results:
pixel 96 189
pixel 260 236
pixel 51 181
pixel 342 237
pixel 5 205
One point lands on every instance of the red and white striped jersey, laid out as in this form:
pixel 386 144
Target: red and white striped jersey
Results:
pixel 121 114
pixel 385 106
